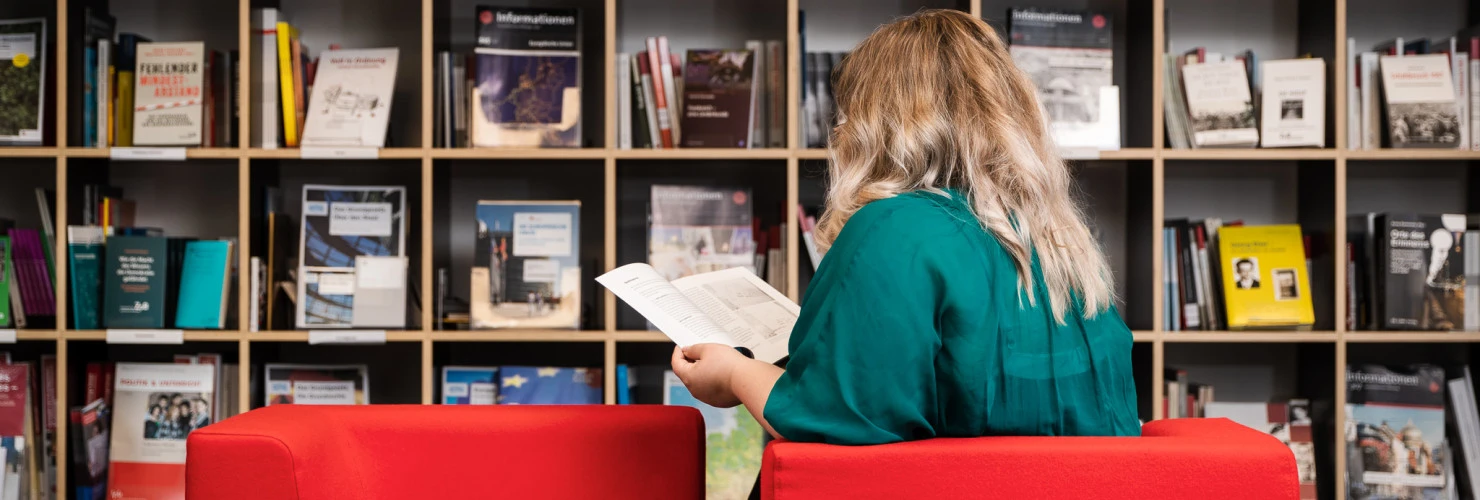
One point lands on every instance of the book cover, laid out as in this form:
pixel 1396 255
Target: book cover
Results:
pixel 339 224
pixel 1265 280
pixel 205 277
pixel 89 428
pixel 95 26
pixel 264 85
pixel 718 99
pixel 527 271
pixel 470 385
pixel 1421 275
pixel 28 262
pixel 16 407
pixel 351 101
pixel 126 62
pixel 169 95
pixel 1070 56
pixel 527 91
pixel 286 37
pixel 1293 103
pixel 380 292
pixel 85 253
pixel 1419 94
pixel 317 384
pixel 135 278
pixel 1220 104
pixel 22 81
pixel 5 281
pixel 734 442
pixel 529 385
pixel 158 406
pixel 697 229
pixel 1395 430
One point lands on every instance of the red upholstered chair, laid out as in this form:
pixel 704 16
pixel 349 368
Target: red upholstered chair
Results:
pixel 412 452
pixel 1203 459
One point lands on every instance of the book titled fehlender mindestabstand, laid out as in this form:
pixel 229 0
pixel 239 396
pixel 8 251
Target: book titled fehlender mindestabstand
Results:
pixel 169 94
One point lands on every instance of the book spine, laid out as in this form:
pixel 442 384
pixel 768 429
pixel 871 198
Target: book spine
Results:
pixel 670 89
pixel 89 96
pixel 758 107
pixel 661 116
pixel 776 94
pixel 1459 67
pixel 286 85
pixel 624 101
pixel 1353 98
pixel 1472 75
pixel 640 88
pixel 5 281
pixel 102 95
pixel 264 88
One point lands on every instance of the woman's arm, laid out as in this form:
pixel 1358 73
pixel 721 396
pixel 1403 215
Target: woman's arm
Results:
pixel 720 376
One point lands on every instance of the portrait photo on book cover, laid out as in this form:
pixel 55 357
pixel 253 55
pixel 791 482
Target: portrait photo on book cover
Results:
pixel 1292 109
pixel 1286 284
pixel 172 415
pixel 1423 124
pixel 1245 272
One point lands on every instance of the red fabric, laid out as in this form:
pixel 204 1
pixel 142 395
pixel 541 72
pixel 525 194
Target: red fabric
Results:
pixel 1203 459
pixel 291 452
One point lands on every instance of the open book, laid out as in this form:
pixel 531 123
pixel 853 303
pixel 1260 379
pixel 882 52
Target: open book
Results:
pixel 731 307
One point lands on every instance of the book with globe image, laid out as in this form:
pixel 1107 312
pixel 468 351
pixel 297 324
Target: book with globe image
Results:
pixel 1395 431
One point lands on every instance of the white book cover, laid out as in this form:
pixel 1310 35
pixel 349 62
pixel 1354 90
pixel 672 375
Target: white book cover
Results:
pixel 1473 71
pixel 104 91
pixel 351 101
pixel 1294 103
pixel 169 96
pixel 1371 102
pixel 1421 112
pixel 1459 67
pixel 624 101
pixel 264 120
pixel 1220 104
pixel 1353 98
pixel 155 407
pixel 758 124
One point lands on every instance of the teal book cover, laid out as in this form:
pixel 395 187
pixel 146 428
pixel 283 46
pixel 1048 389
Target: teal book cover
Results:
pixel 204 276
pixel 4 281
pixel 85 254
pixel 134 282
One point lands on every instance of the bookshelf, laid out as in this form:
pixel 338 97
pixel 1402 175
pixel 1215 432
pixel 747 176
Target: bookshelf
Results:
pixel 1129 191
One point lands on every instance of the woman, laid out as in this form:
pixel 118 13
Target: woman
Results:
pixel 963 294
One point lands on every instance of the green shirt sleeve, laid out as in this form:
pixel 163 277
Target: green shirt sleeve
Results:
pixel 862 352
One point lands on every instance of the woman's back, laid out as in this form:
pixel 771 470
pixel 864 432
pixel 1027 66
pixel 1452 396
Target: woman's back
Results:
pixel 915 326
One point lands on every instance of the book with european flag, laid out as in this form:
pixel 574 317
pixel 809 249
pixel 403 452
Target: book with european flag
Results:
pixel 205 283
pixel 1265 280
pixel 529 385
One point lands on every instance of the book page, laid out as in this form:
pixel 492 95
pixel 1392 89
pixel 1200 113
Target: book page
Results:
pixel 640 286
pixel 756 316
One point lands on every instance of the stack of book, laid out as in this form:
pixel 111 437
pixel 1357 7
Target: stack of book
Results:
pixel 1215 100
pixel 27 270
pixel 1414 93
pixel 711 98
pixel 1409 272
pixel 130 277
pixel 1233 277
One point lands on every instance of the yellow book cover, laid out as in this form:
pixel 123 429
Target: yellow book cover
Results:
pixel 123 108
pixel 285 36
pixel 1265 280
pixel 112 77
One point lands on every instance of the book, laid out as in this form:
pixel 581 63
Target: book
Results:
pixel 719 104
pixel 90 441
pixel 125 63
pixel 103 88
pixel 23 62
pixel 85 255
pixel 339 224
pixel 759 122
pixel 6 279
pixel 668 69
pixel 1422 278
pixel 776 68
pixel 288 82
pixel 1069 56
pixel 470 385
pixel 736 442
pixel 1265 280
pixel 662 101
pixel 1220 104
pixel 317 384
pixel 158 406
pixel 647 102
pixel 530 385
pixel 1293 106
pixel 205 279
pixel 351 101
pixel 95 27
pixel 1396 429
pixel 1463 431
pixel 697 229
pixel 527 273
pixel 528 85
pixel 1472 283
pixel 17 431
pixel 1418 91
pixel 732 307
pixel 135 279
pixel 265 85
pixel 624 100
pixel 28 261
pixel 256 294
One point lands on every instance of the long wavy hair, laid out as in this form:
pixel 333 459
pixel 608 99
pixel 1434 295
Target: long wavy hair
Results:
pixel 934 101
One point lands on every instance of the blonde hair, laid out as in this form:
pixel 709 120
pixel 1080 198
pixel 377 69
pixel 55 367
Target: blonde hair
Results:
pixel 934 100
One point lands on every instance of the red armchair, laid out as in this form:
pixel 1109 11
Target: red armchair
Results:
pixel 1204 459
pixel 383 452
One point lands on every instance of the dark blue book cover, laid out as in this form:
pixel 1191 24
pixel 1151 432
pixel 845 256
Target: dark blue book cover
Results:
pixel 135 276
pixel 527 77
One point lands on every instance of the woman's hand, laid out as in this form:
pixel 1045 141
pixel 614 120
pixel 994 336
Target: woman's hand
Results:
pixel 707 369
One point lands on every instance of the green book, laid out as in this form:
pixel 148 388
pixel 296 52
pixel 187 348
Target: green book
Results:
pixel 134 282
pixel 4 281
pixel 204 280
pixel 85 253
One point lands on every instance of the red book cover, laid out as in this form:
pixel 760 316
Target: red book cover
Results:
pixel 106 384
pixel 660 99
pixel 49 392
pixel 158 406
pixel 90 385
pixel 13 382
pixel 717 99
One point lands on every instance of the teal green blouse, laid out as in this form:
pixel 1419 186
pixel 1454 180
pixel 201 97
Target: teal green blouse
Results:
pixel 914 328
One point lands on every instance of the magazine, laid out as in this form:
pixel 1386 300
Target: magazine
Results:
pixel 158 406
pixel 341 224
pixel 317 384
pixel 698 229
pixel 527 271
pixel 1394 431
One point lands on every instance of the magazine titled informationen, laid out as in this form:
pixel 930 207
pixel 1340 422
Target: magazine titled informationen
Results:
pixel 732 307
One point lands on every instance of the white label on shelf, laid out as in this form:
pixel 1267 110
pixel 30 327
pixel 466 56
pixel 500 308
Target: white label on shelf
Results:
pixel 170 154
pixel 7 336
pixel 338 153
pixel 129 336
pixel 1079 153
pixel 316 337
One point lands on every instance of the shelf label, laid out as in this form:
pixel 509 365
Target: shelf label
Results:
pixel 134 154
pixel 316 337
pixel 339 153
pixel 128 336
pixel 1079 153
pixel 7 336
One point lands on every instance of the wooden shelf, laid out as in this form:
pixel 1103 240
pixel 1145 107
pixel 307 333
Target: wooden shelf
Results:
pixel 519 153
pixel 296 153
pixel 1411 154
pixel 28 152
pixel 194 153
pixel 1249 336
pixel 702 154
pixel 519 336
pixel 1412 337
pixel 1249 154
